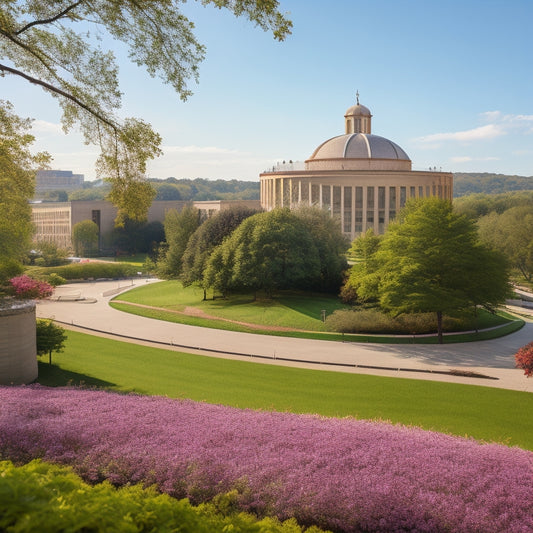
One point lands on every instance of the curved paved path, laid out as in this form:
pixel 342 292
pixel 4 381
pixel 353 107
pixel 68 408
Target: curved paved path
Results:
pixel 492 358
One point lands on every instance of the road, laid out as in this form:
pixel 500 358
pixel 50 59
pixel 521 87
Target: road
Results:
pixel 491 359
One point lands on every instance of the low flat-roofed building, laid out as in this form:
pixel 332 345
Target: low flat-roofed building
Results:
pixel 53 222
pixel 57 180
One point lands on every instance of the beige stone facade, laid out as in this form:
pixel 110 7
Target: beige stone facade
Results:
pixel 53 222
pixel 360 178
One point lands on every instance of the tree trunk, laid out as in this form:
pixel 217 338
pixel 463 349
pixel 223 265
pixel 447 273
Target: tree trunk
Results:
pixel 205 295
pixel 439 326
pixel 50 357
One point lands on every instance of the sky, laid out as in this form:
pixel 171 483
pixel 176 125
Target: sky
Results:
pixel 450 81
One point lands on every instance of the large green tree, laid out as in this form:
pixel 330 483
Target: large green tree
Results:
pixel 431 260
pixel 362 282
pixel 65 47
pixel 206 238
pixel 17 171
pixel 331 244
pixel 512 233
pixel 268 251
pixel 179 226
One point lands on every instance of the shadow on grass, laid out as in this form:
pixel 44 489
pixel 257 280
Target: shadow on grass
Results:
pixel 54 376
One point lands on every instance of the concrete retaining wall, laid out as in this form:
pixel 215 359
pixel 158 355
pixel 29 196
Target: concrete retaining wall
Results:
pixel 18 348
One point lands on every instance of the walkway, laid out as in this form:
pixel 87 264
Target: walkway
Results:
pixel 492 359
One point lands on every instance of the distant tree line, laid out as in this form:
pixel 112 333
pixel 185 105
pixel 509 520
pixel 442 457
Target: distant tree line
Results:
pixel 185 189
pixel 465 183
pixel 505 222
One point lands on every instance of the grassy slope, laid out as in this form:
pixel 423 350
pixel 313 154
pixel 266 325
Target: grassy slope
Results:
pixel 480 412
pixel 300 312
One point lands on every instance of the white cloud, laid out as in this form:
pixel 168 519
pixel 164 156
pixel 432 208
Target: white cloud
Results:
pixel 490 131
pixel 212 150
pixel 41 126
pixel 497 125
pixel 466 159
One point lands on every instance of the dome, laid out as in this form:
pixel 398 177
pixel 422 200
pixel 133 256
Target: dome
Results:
pixel 359 146
pixel 358 110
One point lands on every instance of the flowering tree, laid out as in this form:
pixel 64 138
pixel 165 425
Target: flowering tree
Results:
pixel 26 288
pixel 524 359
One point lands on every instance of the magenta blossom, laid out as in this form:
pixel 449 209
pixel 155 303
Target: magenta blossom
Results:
pixel 26 288
pixel 344 475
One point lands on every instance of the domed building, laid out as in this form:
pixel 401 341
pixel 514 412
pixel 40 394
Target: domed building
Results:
pixel 361 178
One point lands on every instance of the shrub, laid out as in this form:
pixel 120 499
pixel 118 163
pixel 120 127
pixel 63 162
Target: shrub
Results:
pixel 55 279
pixel 23 287
pixel 44 497
pixel 338 474
pixel 376 321
pixel 524 359
pixel 90 270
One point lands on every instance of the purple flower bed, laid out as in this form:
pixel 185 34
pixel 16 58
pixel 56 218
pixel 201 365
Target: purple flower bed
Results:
pixel 340 474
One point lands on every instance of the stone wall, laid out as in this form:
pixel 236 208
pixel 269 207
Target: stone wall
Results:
pixel 18 349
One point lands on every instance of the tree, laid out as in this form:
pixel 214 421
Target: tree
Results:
pixel 85 237
pixel 511 232
pixel 179 226
pixel 268 251
pixel 17 171
pixel 331 244
pixel 50 338
pixel 57 46
pixel 524 359
pixel 431 260
pixel 362 282
pixel 206 238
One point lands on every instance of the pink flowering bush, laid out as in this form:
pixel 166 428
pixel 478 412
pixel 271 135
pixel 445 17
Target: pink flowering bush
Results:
pixel 26 288
pixel 344 475
pixel 524 359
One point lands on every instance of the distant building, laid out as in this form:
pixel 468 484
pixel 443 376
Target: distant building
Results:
pixel 53 222
pixel 360 178
pixel 57 180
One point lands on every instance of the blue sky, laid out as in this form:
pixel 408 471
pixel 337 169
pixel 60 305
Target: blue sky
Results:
pixel 450 81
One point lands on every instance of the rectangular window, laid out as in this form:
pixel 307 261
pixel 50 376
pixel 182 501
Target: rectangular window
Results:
pixel 295 193
pixel 420 192
pixel 337 202
pixel 370 197
pixel 96 217
pixel 403 193
pixel 286 193
pixel 381 197
pixel 305 192
pixel 347 209
pixel 315 194
pixel 381 222
pixel 326 197
pixel 412 192
pixel 359 197
pixel 392 198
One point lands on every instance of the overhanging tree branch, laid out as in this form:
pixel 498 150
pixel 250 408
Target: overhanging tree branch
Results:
pixel 49 20
pixel 60 92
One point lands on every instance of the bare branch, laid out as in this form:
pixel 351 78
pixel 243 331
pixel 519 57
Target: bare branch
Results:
pixel 60 92
pixel 50 20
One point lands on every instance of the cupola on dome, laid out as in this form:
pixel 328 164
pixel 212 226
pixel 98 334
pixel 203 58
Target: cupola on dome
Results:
pixel 358 149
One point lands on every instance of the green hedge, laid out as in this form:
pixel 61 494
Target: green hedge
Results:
pixel 375 321
pixel 49 498
pixel 91 270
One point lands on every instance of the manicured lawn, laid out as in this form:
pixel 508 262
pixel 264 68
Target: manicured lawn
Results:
pixel 298 311
pixel 480 412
